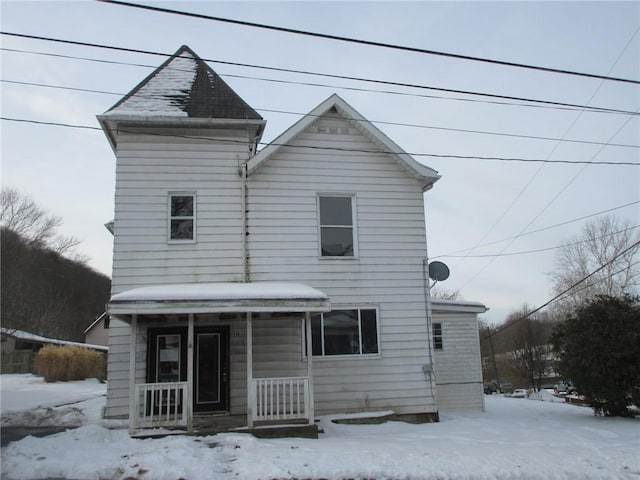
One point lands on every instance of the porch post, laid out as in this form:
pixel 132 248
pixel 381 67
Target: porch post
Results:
pixel 189 405
pixel 249 370
pixel 132 374
pixel 310 368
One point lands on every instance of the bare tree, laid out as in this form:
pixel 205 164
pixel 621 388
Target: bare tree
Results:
pixel 440 294
pixel 601 242
pixel 21 214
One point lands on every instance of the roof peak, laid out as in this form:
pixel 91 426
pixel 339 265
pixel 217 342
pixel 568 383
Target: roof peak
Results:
pixel 184 86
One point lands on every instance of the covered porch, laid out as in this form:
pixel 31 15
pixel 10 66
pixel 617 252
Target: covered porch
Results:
pixel 181 372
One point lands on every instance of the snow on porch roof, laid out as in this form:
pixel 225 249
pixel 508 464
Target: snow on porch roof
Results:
pixel 219 297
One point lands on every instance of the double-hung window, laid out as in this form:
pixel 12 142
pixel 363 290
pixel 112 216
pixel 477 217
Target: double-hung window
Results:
pixel 182 217
pixel 345 332
pixel 337 226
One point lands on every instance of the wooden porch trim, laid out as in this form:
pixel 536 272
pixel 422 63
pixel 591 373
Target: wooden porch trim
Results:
pixel 189 405
pixel 310 367
pixel 132 374
pixel 250 370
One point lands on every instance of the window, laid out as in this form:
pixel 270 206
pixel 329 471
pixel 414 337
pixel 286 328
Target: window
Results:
pixel 437 336
pixel 182 217
pixel 337 226
pixel 345 332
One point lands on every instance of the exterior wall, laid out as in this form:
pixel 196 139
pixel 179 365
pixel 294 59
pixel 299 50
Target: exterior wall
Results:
pixel 387 274
pixel 148 167
pixel 98 335
pixel 457 365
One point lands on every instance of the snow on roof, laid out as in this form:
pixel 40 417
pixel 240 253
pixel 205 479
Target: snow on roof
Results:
pixel 159 95
pixel 211 297
pixel 457 306
pixel 221 291
pixel 32 337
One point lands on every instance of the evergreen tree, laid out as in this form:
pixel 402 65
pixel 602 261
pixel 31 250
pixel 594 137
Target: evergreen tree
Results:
pixel 599 351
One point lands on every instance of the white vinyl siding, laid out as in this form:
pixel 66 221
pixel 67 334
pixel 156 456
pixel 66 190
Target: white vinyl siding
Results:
pixel 457 364
pixel 391 241
pixel 148 168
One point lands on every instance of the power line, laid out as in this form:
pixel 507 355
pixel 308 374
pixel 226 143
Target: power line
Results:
pixel 565 291
pixel 378 122
pixel 340 149
pixel 371 43
pixel 531 232
pixel 539 250
pixel 342 87
pixel 327 75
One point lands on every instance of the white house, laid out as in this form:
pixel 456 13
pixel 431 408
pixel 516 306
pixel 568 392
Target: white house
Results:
pixel 225 257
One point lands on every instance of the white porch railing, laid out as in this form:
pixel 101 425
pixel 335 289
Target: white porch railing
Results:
pixel 284 398
pixel 161 405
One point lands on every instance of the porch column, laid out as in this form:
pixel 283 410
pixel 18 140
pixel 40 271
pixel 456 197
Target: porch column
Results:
pixel 189 405
pixel 310 367
pixel 132 374
pixel 250 393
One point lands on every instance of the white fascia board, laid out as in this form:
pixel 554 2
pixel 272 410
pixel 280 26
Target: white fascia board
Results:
pixel 111 122
pixel 453 306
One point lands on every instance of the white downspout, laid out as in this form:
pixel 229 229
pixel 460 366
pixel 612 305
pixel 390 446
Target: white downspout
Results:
pixel 243 207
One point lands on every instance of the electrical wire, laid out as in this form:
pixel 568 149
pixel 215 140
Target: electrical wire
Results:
pixel 565 291
pixel 369 42
pixel 376 122
pixel 531 232
pixel 340 149
pixel 540 249
pixel 342 87
pixel 327 75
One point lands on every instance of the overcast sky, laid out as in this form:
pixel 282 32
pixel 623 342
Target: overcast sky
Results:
pixel 70 171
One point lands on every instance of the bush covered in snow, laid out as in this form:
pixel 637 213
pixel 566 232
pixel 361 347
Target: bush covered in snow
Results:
pixel 63 363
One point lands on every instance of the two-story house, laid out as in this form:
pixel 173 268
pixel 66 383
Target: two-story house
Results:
pixel 271 285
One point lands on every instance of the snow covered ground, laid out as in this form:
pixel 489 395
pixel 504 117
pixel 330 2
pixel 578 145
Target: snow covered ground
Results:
pixel 514 438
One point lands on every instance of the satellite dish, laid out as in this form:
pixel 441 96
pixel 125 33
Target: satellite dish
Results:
pixel 438 271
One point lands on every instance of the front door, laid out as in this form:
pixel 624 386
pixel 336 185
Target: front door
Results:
pixel 211 369
pixel 168 363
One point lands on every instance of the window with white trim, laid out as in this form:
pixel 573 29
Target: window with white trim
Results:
pixel 337 226
pixel 345 332
pixel 182 217
pixel 437 336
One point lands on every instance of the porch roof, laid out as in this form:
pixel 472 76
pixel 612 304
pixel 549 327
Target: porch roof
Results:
pixel 219 297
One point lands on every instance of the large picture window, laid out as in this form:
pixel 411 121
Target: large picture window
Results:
pixel 345 332
pixel 182 217
pixel 337 226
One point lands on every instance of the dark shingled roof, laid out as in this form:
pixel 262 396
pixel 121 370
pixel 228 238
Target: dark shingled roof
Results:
pixel 184 86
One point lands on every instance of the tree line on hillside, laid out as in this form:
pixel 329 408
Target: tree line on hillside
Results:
pixel 590 336
pixel 46 288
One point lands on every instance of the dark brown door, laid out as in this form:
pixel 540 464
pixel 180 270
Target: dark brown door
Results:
pixel 211 369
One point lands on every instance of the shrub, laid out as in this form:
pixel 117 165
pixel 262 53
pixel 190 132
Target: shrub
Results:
pixel 69 362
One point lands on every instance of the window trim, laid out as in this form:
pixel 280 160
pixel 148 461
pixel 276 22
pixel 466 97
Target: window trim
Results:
pixel 323 356
pixel 354 225
pixel 170 196
pixel 439 336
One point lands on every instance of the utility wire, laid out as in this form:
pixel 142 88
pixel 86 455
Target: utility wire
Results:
pixel 369 42
pixel 540 249
pixel 543 165
pixel 341 87
pixel 377 122
pixel 340 149
pixel 565 291
pixel 327 75
pixel 531 232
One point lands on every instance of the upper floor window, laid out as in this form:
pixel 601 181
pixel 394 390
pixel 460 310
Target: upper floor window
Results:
pixel 337 226
pixel 437 336
pixel 345 332
pixel 182 217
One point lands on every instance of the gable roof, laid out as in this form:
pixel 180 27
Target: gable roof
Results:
pixel 427 176
pixel 184 86
pixel 182 91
